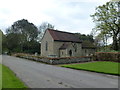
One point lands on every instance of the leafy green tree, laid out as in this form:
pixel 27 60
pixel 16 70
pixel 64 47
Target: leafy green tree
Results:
pixel 31 47
pixel 84 37
pixel 1 34
pixel 20 35
pixel 13 42
pixel 119 23
pixel 28 30
pixel 1 41
pixel 107 21
pixel 3 47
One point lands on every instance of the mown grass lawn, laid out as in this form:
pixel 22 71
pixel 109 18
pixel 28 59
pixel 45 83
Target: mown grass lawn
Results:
pixel 9 80
pixel 0 76
pixel 100 67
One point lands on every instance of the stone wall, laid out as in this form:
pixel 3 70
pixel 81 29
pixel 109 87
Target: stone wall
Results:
pixel 87 51
pixel 58 44
pixel 47 38
pixel 56 47
pixel 55 61
pixel 63 53
pixel 76 53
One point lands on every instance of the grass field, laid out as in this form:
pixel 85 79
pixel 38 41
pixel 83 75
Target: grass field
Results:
pixel 100 67
pixel 9 80
pixel 0 76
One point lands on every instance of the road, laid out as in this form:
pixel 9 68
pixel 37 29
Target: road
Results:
pixel 38 75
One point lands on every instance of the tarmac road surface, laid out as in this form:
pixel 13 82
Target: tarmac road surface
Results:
pixel 39 75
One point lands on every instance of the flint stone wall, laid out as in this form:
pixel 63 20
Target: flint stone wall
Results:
pixel 55 61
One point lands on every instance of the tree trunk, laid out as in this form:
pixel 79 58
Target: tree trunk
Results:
pixel 115 44
pixel 119 41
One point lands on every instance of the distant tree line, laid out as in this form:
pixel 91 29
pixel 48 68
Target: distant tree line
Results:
pixel 25 37
pixel 84 37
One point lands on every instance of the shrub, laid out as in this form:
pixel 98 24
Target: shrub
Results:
pixel 107 56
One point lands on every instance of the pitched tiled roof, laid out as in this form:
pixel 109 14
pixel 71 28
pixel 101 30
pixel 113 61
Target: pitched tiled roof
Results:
pixel 63 36
pixel 87 44
pixel 65 45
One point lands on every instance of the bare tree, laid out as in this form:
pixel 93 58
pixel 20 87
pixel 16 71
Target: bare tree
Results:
pixel 42 28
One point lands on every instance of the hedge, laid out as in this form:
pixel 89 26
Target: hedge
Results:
pixel 107 56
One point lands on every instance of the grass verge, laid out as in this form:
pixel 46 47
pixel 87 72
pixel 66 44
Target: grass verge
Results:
pixel 9 80
pixel 0 77
pixel 100 67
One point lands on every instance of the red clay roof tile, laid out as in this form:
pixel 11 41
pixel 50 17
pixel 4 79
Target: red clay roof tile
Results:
pixel 63 36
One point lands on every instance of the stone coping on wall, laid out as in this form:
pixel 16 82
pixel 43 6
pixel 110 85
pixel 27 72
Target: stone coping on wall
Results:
pixel 55 61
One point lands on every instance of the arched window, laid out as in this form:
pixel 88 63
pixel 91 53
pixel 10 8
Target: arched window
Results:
pixel 46 46
pixel 75 46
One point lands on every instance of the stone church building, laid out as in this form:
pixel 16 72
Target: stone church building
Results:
pixel 63 44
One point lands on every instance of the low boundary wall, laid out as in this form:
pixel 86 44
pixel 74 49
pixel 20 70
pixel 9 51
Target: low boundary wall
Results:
pixel 55 61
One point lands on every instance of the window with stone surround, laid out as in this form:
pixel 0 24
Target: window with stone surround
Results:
pixel 46 45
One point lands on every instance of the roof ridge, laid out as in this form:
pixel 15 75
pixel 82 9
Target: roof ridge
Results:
pixel 61 31
pixel 63 36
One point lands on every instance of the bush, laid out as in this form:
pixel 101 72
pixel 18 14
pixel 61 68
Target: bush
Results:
pixel 107 56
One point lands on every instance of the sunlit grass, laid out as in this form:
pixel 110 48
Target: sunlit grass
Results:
pixel 0 76
pixel 9 80
pixel 101 67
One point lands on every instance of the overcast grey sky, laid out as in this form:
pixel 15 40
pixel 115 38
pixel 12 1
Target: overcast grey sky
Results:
pixel 65 15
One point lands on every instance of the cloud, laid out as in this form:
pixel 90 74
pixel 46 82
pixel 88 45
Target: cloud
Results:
pixel 66 15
